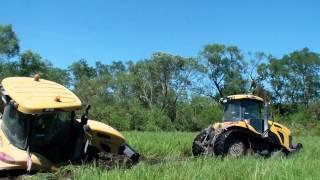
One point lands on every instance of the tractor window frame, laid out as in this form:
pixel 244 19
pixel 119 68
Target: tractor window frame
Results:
pixel 15 126
pixel 232 113
pixel 255 117
pixel 52 131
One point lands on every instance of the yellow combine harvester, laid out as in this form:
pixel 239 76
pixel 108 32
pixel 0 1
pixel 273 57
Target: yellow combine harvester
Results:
pixel 39 130
pixel 245 128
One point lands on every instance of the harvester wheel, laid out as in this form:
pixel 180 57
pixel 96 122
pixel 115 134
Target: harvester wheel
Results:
pixel 197 145
pixel 226 144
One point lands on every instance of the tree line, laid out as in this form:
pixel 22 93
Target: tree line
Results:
pixel 172 92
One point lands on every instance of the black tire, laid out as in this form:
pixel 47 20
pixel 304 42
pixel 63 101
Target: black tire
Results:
pixel 196 148
pixel 236 148
pixel 228 143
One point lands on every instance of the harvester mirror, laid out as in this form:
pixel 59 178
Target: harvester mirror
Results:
pixel 4 100
pixel 84 117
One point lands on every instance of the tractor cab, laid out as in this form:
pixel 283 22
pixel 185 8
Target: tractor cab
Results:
pixel 38 126
pixel 247 108
pixel 38 116
pixel 245 128
pixel 43 133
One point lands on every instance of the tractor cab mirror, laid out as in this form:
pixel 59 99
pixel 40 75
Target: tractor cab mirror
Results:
pixel 84 117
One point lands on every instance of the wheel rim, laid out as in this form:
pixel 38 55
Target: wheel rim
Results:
pixel 237 149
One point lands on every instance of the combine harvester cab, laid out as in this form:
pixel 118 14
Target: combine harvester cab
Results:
pixel 245 128
pixel 39 130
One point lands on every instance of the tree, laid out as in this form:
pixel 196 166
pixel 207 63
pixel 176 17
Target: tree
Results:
pixel 294 78
pixel 31 63
pixel 163 80
pixel 9 47
pixel 303 75
pixel 79 70
pixel 275 74
pixel 225 67
pixel 9 43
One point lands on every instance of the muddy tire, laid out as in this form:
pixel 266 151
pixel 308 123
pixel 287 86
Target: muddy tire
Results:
pixel 196 148
pixel 228 144
pixel 236 148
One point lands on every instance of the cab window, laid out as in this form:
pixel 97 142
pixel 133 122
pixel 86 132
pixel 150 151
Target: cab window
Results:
pixel 15 126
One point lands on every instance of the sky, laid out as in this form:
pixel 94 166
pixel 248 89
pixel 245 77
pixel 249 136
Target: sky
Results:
pixel 64 31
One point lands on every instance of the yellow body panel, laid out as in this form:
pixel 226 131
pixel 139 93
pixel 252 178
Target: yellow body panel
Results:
pixel 104 134
pixel 242 124
pixel 273 126
pixel 99 132
pixel 36 96
pixel 245 96
pixel 276 128
pixel 20 157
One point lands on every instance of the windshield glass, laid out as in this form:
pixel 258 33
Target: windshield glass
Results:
pixel 244 110
pixel 51 131
pixel 45 131
pixel 232 111
pixel 15 126
pixel 252 112
pixel 251 109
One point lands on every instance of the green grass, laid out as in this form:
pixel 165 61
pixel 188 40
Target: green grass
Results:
pixel 168 156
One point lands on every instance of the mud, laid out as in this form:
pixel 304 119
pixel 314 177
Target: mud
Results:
pixel 110 161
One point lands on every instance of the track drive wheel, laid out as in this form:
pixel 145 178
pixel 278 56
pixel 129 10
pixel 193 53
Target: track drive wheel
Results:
pixel 199 142
pixel 236 148
pixel 229 144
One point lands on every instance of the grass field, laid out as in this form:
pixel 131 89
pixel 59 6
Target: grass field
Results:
pixel 168 156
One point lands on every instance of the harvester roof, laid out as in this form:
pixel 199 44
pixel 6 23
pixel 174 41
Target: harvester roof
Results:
pixel 35 95
pixel 244 96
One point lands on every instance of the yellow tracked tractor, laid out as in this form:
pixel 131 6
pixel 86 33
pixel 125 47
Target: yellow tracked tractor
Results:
pixel 39 130
pixel 245 128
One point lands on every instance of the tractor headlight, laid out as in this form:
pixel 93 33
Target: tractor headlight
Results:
pixel 126 150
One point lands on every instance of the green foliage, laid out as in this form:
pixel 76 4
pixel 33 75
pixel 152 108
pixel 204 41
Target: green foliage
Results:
pixel 225 68
pixel 9 43
pixel 167 92
pixel 197 114
pixel 167 155
pixel 294 78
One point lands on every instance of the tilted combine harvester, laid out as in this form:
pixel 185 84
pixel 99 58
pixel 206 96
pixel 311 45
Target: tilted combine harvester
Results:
pixel 245 128
pixel 39 130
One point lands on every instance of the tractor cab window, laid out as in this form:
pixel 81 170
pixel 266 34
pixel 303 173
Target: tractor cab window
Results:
pixel 251 109
pixel 252 112
pixel 50 135
pixel 232 111
pixel 47 134
pixel 15 126
pixel 237 110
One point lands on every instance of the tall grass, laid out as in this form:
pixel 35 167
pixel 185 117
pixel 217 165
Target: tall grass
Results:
pixel 167 155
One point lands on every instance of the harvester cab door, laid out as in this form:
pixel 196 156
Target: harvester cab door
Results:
pixel 251 110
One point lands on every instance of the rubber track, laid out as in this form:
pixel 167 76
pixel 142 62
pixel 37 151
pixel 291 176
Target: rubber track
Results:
pixel 220 143
pixel 196 149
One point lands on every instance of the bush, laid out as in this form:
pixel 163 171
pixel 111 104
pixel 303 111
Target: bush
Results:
pixel 198 114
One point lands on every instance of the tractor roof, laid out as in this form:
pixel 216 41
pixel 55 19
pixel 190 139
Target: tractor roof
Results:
pixel 245 96
pixel 35 95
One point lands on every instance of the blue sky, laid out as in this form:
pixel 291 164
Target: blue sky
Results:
pixel 66 30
